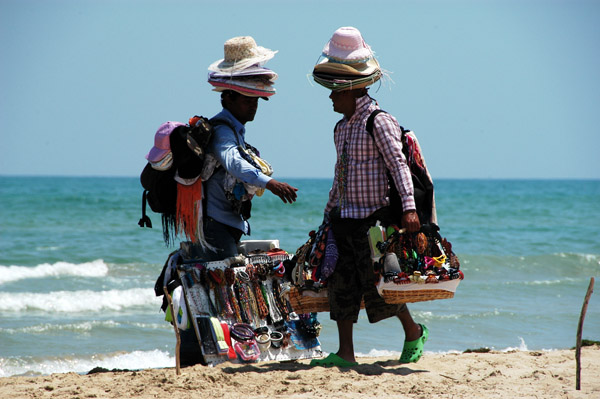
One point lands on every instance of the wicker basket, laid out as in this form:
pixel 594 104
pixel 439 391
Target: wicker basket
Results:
pixel 413 292
pixel 390 296
pixel 309 302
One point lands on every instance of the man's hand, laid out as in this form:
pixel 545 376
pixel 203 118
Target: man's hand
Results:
pixel 284 191
pixel 410 221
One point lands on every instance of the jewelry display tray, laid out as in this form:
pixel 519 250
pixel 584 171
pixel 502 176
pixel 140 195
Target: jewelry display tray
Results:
pixel 198 305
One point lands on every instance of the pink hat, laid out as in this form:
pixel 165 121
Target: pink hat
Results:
pixel 347 47
pixel 162 145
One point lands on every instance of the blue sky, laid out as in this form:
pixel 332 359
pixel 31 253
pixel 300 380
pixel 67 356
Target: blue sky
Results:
pixel 493 89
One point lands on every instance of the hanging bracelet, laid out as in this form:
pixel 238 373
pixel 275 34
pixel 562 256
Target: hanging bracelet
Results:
pixel 241 332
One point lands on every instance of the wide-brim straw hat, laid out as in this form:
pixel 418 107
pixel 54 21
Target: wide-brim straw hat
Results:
pixel 326 66
pixel 340 83
pixel 240 53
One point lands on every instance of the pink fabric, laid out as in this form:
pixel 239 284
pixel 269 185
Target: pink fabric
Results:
pixel 243 90
pixel 162 145
pixel 347 46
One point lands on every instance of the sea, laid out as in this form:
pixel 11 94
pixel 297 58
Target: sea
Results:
pixel 77 272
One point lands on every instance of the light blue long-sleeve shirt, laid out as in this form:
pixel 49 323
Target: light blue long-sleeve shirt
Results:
pixel 224 145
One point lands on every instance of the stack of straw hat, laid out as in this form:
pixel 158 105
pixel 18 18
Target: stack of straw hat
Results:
pixel 242 69
pixel 348 62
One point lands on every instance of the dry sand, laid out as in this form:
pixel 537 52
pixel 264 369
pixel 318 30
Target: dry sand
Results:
pixel 467 375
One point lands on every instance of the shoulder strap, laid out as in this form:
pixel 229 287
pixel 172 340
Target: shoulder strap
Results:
pixel 404 131
pixel 371 120
pixel 222 121
pixel 336 125
pixel 144 220
pixel 369 127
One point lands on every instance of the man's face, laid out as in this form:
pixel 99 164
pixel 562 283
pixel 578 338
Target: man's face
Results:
pixel 343 101
pixel 242 107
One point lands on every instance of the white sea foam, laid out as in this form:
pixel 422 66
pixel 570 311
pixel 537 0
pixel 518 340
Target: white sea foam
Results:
pixel 78 301
pixel 522 347
pixel 543 282
pixel 52 248
pixel 83 327
pixel 550 282
pixel 122 360
pixel 589 258
pixel 45 328
pixel 96 268
pixel 428 315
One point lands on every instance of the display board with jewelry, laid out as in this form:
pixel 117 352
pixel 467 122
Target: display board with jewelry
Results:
pixel 239 307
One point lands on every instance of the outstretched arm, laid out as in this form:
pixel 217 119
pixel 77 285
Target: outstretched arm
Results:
pixel 283 190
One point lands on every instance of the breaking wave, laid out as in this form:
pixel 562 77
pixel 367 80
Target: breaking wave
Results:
pixel 96 268
pixel 135 360
pixel 79 301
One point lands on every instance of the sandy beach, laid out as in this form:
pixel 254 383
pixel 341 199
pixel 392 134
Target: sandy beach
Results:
pixel 528 374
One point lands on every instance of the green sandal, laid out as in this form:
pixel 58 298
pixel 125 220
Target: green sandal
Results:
pixel 413 350
pixel 333 360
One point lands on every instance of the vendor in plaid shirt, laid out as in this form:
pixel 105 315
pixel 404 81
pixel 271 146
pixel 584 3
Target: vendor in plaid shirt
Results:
pixel 360 186
pixel 359 196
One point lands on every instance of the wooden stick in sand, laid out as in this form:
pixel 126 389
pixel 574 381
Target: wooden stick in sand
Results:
pixel 579 331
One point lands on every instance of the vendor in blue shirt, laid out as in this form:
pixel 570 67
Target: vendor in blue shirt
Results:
pixel 225 219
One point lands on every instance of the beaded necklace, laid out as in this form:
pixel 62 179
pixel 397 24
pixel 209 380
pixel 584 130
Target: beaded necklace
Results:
pixel 253 303
pixel 217 277
pixel 254 272
pixel 273 308
pixel 228 311
pixel 242 302
pixel 263 311
pixel 279 301
pixel 230 280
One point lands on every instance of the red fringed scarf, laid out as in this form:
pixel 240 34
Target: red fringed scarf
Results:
pixel 189 211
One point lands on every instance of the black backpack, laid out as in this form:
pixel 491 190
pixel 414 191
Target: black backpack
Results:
pixel 188 148
pixel 423 186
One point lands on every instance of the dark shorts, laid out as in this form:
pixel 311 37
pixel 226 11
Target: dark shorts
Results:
pixel 221 236
pixel 353 279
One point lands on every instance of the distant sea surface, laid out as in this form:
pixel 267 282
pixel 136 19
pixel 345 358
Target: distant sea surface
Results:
pixel 77 272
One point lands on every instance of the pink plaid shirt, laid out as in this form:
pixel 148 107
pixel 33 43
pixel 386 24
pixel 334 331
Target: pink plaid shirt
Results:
pixel 360 183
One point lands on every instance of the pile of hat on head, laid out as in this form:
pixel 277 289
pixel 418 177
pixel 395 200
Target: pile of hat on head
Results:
pixel 242 69
pixel 348 62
